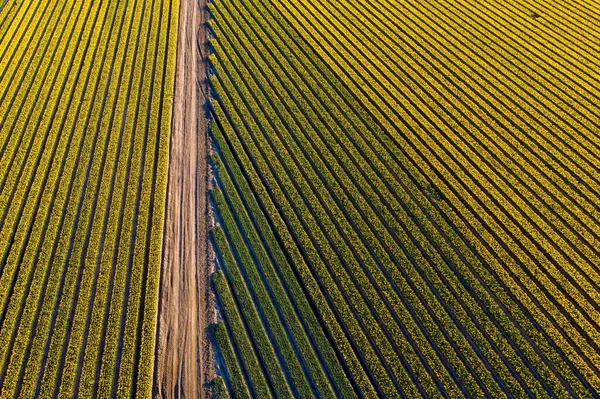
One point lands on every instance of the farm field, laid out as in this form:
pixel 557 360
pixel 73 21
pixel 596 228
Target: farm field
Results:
pixel 406 198
pixel 335 199
pixel 85 116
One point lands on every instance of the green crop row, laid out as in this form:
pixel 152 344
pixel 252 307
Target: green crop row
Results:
pixel 220 388
pixel 275 284
pixel 259 313
pixel 234 372
pixel 471 104
pixel 280 300
pixel 266 306
pixel 349 183
pixel 332 252
pixel 249 357
pixel 425 188
pixel 312 284
pixel 232 180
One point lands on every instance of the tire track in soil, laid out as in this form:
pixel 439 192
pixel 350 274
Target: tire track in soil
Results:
pixel 183 358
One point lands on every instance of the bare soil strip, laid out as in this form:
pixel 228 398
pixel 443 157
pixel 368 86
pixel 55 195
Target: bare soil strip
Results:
pixel 182 352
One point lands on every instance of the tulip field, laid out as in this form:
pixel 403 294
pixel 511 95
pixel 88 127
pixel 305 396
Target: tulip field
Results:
pixel 392 198
pixel 85 111
pixel 406 198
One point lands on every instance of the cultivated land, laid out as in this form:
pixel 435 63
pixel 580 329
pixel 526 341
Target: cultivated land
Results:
pixel 400 198
pixel 85 115
pixel 407 198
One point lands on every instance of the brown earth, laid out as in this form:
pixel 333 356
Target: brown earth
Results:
pixel 183 359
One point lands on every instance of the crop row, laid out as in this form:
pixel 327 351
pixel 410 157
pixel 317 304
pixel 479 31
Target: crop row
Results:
pixel 122 339
pixel 233 370
pixel 363 214
pixel 14 53
pixel 89 206
pixel 220 388
pixel 527 144
pixel 105 111
pixel 20 116
pixel 17 281
pixel 277 270
pixel 264 303
pixel 567 275
pixel 89 216
pixel 244 337
pixel 46 226
pixel 313 284
pixel 275 297
pixel 476 179
pixel 322 130
pixel 333 251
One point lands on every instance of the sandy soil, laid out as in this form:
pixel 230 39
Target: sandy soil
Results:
pixel 183 362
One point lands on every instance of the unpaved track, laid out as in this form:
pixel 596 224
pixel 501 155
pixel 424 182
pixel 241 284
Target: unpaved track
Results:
pixel 181 336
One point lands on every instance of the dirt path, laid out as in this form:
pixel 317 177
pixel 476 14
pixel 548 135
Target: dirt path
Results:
pixel 182 363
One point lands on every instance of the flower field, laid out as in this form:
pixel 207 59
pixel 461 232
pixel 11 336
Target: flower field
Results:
pixel 406 196
pixel 402 199
pixel 85 113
